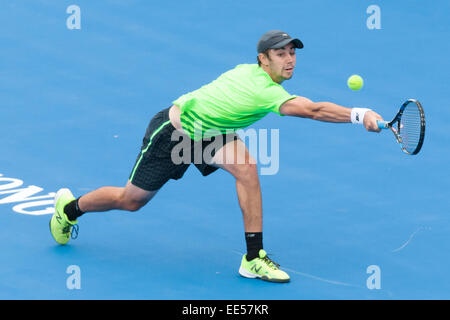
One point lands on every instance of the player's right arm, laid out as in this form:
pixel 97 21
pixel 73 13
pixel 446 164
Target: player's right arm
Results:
pixel 326 111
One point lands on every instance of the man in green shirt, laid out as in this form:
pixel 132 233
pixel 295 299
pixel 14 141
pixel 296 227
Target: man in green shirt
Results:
pixel 207 118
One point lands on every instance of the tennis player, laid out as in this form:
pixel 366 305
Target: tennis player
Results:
pixel 211 115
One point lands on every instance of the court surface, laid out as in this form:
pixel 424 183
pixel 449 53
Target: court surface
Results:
pixel 75 104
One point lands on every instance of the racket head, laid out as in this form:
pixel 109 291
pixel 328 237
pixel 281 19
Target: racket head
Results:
pixel 408 126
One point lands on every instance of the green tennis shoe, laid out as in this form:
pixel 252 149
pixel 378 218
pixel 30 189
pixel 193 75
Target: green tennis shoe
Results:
pixel 263 268
pixel 61 228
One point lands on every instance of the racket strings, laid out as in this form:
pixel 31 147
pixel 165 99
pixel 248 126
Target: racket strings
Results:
pixel 410 127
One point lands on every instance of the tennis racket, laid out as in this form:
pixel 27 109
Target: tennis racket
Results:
pixel 408 126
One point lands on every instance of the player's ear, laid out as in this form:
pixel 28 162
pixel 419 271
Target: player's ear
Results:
pixel 263 58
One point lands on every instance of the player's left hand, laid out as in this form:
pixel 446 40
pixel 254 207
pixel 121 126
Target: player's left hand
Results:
pixel 370 121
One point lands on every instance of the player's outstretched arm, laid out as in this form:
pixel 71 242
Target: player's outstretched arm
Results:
pixel 327 111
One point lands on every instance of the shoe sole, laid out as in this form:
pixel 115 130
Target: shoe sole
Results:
pixel 58 194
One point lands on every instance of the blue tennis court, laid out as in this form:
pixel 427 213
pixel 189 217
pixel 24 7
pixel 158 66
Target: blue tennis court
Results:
pixel 345 205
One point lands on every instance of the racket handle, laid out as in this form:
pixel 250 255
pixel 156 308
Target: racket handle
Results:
pixel 382 124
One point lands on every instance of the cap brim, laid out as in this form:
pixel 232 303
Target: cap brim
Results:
pixel 297 43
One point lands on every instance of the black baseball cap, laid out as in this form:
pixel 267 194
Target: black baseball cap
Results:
pixel 276 39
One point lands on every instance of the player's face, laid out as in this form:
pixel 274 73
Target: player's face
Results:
pixel 280 63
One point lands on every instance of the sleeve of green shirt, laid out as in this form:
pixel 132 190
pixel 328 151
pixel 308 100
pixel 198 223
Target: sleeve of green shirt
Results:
pixel 272 97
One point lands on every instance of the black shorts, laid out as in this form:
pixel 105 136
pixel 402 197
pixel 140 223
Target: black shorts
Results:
pixel 155 164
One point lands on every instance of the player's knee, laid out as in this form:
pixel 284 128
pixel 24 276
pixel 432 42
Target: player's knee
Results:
pixel 247 173
pixel 132 204
pixel 135 205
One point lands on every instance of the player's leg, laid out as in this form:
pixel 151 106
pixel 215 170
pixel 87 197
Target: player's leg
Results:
pixel 235 158
pixel 68 209
pixel 129 198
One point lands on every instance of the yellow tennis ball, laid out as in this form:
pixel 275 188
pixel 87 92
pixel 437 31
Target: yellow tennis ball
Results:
pixel 355 82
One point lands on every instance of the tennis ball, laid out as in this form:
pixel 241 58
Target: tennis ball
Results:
pixel 355 82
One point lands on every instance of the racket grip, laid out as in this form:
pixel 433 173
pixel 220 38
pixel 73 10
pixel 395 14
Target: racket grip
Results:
pixel 382 124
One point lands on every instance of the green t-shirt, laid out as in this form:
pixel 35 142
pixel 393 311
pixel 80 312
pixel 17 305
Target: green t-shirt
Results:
pixel 235 100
